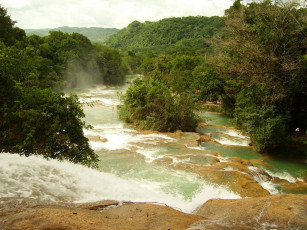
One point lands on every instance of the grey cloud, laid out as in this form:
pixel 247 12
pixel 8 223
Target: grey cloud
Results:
pixel 105 13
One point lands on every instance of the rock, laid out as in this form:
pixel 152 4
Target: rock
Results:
pixel 259 174
pixel 103 139
pixel 100 205
pixel 163 160
pixel 189 139
pixel 233 175
pixel 206 138
pixel 96 138
pixel 231 166
pixel 286 186
pixel 88 216
pixel 240 160
pixel 260 162
pixel 294 187
pixel 286 211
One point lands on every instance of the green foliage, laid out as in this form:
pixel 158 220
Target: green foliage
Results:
pixel 35 121
pixel 186 74
pixel 261 64
pixel 8 33
pixel 267 128
pixel 110 65
pixel 167 35
pixel 208 82
pixel 71 60
pixel 47 123
pixel 152 105
pixel 33 118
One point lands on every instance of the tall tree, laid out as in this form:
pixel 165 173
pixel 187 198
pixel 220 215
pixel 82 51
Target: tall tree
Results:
pixel 261 58
pixel 8 33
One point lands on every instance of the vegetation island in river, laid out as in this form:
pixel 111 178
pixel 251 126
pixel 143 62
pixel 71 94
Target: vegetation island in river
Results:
pixel 252 61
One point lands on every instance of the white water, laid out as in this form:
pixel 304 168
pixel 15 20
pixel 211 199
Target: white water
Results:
pixel 36 177
pixel 119 137
pixel 226 136
pixel 126 173
pixel 127 168
pixel 282 175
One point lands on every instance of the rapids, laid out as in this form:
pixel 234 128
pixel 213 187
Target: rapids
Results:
pixel 134 165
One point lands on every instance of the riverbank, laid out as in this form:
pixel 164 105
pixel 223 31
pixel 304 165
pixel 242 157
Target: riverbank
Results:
pixel 142 166
pixel 269 212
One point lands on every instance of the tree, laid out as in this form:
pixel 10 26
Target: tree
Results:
pixel 8 33
pixel 47 123
pixel 111 66
pixel 262 52
pixel 150 104
pixel 170 35
pixel 35 120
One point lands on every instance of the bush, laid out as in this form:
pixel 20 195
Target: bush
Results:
pixel 150 104
pixel 47 123
pixel 266 127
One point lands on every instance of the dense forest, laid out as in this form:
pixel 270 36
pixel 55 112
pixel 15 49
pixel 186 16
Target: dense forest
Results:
pixel 252 62
pixel 95 34
pixel 255 67
pixel 167 35
pixel 35 117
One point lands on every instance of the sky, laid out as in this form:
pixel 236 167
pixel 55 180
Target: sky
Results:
pixel 36 14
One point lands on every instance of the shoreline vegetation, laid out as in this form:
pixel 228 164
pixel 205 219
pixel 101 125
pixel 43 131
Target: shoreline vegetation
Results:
pixel 35 116
pixel 250 64
pixel 255 71
pixel 255 66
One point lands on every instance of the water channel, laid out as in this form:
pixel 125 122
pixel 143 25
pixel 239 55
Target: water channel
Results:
pixel 136 165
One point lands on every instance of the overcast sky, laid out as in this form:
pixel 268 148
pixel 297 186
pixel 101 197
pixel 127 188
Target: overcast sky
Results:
pixel 105 13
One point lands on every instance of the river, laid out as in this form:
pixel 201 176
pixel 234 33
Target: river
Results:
pixel 135 165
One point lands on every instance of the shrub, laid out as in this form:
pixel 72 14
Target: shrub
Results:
pixel 151 105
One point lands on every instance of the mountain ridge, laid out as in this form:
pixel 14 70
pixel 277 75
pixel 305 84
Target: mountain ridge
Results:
pixel 191 31
pixel 95 34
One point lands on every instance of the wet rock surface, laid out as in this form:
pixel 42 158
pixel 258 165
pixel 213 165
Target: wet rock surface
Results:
pixel 226 173
pixel 99 215
pixel 232 172
pixel 286 211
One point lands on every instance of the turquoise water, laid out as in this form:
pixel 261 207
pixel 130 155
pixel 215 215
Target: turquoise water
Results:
pixel 134 156
pixel 216 119
pixel 282 167
pixel 232 151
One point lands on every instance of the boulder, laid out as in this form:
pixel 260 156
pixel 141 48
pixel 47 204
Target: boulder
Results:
pixel 95 216
pixel 286 211
pixel 240 160
pixel 206 138
pixel 286 186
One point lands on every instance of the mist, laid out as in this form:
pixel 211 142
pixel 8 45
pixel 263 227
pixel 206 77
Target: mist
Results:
pixel 80 75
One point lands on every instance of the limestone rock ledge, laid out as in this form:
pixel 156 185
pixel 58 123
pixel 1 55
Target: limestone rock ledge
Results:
pixel 286 211
pixel 26 214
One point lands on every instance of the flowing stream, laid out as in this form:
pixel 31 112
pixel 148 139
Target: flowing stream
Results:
pixel 232 144
pixel 134 165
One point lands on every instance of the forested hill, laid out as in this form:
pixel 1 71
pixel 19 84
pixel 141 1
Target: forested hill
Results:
pixel 183 32
pixel 95 34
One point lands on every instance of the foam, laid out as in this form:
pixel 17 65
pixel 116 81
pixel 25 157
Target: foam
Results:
pixel 36 177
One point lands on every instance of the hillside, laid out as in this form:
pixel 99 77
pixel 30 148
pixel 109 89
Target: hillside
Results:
pixel 95 34
pixel 183 32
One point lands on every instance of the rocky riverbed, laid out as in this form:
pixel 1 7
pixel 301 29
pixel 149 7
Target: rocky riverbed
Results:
pixel 286 211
